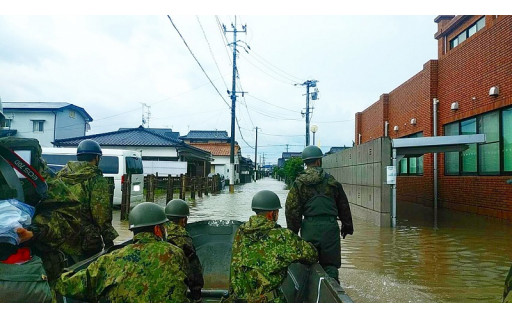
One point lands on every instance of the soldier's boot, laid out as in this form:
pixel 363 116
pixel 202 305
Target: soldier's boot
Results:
pixel 332 271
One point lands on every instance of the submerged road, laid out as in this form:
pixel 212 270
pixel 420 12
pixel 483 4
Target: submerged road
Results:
pixel 466 259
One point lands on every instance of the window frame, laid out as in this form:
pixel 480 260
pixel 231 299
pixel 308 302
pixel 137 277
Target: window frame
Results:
pixel 408 161
pixel 40 125
pixel 501 154
pixel 457 38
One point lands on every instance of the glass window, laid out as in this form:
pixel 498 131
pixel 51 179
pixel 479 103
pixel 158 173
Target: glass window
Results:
pixel 489 153
pixel 133 165
pixel 468 127
pixel 462 37
pixel 38 125
pixel 57 162
pixel 109 164
pixel 451 159
pixel 7 123
pixel 507 139
pixel 480 24
pixel 403 166
pixel 472 30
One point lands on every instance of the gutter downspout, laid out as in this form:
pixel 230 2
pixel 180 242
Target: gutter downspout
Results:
pixel 435 102
pixel 386 126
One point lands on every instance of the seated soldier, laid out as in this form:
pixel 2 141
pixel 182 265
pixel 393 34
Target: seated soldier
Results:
pixel 177 212
pixel 262 252
pixel 149 270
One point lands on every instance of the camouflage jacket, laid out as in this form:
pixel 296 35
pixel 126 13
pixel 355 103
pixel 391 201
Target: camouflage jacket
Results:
pixel 303 189
pixel 87 183
pixel 56 227
pixel 507 293
pixel 149 270
pixel 262 252
pixel 178 236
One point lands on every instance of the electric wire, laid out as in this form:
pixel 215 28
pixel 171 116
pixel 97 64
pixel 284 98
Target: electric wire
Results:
pixel 185 42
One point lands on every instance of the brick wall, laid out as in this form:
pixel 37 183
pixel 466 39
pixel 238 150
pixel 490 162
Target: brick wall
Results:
pixel 463 74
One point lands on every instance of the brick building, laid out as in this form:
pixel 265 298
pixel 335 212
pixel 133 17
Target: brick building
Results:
pixel 472 83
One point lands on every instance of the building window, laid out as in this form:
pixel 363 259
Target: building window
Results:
pixel 474 28
pixel 506 152
pixel 7 123
pixel 38 125
pixel 412 166
pixel 494 157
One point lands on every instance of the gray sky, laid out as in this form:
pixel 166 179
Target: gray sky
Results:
pixel 110 64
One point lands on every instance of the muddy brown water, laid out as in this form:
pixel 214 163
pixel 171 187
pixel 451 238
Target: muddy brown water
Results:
pixel 464 259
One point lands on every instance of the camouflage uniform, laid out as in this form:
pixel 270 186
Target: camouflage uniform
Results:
pixel 56 228
pixel 177 235
pixel 87 183
pixel 149 270
pixel 507 293
pixel 320 199
pixel 262 252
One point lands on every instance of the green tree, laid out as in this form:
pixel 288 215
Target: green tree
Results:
pixel 292 168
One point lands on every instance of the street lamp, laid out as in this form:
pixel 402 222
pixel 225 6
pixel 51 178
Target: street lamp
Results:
pixel 314 129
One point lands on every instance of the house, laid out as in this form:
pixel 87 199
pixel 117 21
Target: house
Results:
pixel 287 155
pixel 335 150
pixel 160 154
pixel 44 121
pixel 470 87
pixel 218 144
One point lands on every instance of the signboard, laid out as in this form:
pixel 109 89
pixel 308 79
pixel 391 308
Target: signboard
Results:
pixel 391 175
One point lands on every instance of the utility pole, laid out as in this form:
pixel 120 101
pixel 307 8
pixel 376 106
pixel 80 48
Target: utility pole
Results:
pixel 233 105
pixel 286 147
pixel 145 119
pixel 256 156
pixel 308 84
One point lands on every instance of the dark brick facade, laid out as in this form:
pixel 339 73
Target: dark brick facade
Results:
pixel 463 74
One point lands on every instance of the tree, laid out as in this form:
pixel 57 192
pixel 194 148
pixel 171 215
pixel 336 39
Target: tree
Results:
pixel 292 168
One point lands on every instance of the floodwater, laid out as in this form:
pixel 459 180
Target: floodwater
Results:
pixel 464 259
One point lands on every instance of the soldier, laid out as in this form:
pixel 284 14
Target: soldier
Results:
pixel 320 199
pixel 86 181
pixel 177 212
pixel 149 270
pixel 54 231
pixel 262 252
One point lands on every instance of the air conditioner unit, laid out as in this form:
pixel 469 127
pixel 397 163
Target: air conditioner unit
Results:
pixel 413 121
pixel 395 128
pixel 455 106
pixel 494 91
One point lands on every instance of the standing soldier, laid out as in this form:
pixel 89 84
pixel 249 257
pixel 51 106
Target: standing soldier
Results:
pixel 320 199
pixel 86 181
pixel 262 252
pixel 177 212
pixel 149 270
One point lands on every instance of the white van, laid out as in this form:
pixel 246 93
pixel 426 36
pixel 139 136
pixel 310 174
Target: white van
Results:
pixel 114 163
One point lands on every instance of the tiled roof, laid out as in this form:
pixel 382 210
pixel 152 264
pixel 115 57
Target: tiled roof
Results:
pixel 42 106
pixel 218 149
pixel 207 135
pixel 127 137
pixel 165 132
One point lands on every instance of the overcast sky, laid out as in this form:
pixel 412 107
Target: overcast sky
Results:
pixel 111 64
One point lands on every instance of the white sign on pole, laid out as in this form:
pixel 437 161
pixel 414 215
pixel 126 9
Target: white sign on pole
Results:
pixel 391 175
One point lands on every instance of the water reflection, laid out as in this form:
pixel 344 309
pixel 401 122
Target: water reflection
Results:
pixel 465 259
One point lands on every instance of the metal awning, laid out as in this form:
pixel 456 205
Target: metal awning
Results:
pixel 422 145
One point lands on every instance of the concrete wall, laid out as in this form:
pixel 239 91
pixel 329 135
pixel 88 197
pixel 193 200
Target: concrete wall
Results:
pixel 362 172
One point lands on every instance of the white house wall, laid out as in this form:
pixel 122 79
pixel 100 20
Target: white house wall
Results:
pixel 23 123
pixel 70 124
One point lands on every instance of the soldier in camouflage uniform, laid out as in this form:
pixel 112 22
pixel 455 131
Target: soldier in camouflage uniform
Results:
pixel 177 212
pixel 149 270
pixel 55 227
pixel 262 252
pixel 314 203
pixel 86 181
pixel 507 293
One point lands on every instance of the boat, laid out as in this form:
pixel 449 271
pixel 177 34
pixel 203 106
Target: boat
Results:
pixel 213 242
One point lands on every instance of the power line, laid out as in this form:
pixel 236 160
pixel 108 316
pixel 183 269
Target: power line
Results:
pixel 185 42
pixel 261 100
pixel 211 52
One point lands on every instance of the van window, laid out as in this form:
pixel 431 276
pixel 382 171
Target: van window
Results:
pixel 57 162
pixel 133 165
pixel 109 164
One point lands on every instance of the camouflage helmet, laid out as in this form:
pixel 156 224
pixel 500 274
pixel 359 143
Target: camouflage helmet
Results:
pixel 177 208
pixel 146 214
pixel 88 147
pixel 311 152
pixel 265 200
